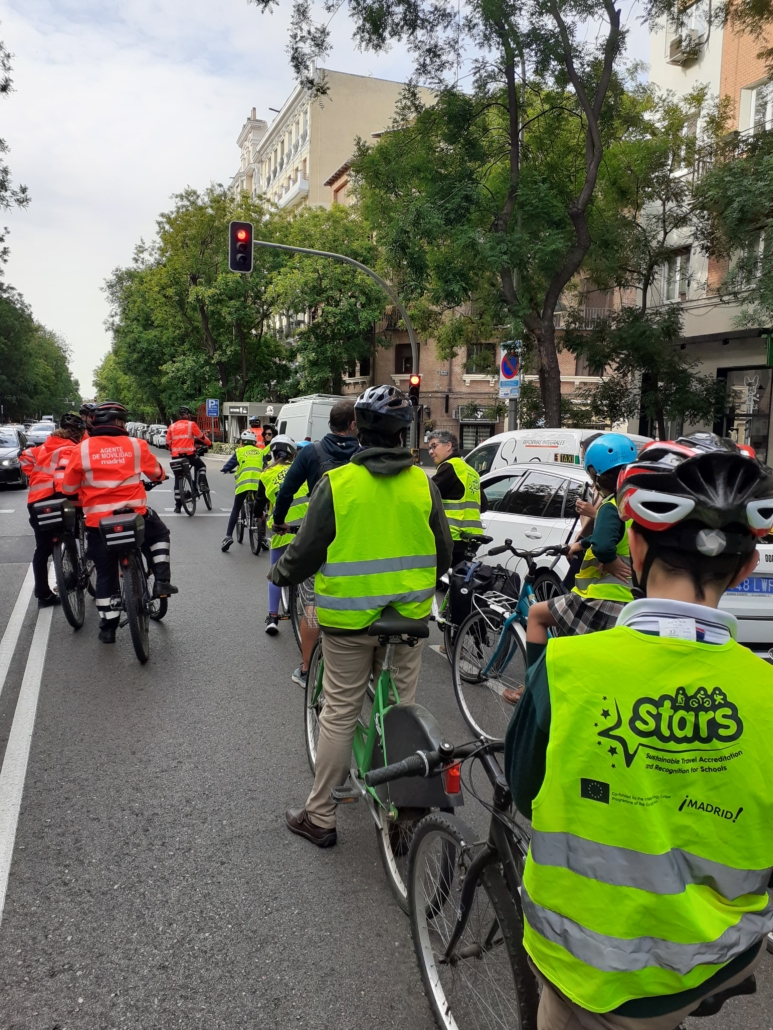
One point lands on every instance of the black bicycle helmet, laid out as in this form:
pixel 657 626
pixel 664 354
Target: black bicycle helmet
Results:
pixel 108 413
pixel 185 412
pixel 254 420
pixel 71 420
pixel 87 408
pixel 385 409
pixel 698 493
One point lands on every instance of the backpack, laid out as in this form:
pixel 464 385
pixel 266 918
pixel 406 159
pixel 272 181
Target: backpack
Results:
pixel 326 463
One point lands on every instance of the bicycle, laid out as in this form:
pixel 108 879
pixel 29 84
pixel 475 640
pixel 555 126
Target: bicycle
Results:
pixel 186 490
pixel 465 903
pixel 395 812
pixel 254 525
pixel 124 533
pixel 74 572
pixel 442 606
pixel 489 655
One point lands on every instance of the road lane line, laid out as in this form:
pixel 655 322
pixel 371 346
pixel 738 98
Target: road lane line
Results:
pixel 13 629
pixel 17 750
pixel 7 511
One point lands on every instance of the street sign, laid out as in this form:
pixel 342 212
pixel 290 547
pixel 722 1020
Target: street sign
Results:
pixel 510 370
pixel 213 407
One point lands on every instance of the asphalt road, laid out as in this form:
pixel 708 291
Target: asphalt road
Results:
pixel 153 883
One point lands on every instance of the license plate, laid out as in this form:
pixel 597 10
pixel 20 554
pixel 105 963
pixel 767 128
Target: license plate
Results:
pixel 754 585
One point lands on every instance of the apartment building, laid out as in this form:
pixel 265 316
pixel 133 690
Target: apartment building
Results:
pixel 682 57
pixel 291 159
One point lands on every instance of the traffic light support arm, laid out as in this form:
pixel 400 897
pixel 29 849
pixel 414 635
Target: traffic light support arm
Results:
pixel 384 286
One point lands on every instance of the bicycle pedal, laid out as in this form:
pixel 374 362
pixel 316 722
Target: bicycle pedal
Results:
pixel 344 795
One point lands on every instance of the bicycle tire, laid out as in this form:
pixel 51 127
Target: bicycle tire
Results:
pixel 187 495
pixel 205 492
pixel 479 696
pixel 157 606
pixel 254 532
pixel 68 582
pixel 495 964
pixel 240 523
pixel 394 838
pixel 297 612
pixel 312 709
pixel 132 589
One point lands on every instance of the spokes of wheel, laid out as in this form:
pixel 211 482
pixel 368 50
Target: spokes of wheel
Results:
pixel 489 671
pixel 68 582
pixel 254 532
pixel 132 584
pixel 394 838
pixel 187 498
pixel 297 611
pixel 314 702
pixel 485 983
pixel 157 606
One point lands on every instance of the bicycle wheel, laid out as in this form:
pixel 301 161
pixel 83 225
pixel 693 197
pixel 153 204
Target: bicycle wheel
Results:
pixel 133 587
pixel 157 606
pixel 394 837
pixel 297 611
pixel 187 496
pixel 204 490
pixel 314 702
pixel 485 664
pixel 254 525
pixel 68 582
pixel 488 982
pixel 547 585
pixel 240 524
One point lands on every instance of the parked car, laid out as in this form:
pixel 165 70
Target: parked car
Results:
pixel 12 443
pixel 156 435
pixel 535 507
pixel 37 433
pixel 535 445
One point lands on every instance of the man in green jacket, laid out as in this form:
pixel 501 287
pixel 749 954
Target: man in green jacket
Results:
pixel 641 755
pixel 375 534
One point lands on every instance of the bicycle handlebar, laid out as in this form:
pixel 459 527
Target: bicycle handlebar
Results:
pixel 425 763
pixel 520 553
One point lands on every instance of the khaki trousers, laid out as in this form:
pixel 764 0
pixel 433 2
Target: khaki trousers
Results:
pixel 557 1012
pixel 349 662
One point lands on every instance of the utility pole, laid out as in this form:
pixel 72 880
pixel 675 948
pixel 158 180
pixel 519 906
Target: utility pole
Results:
pixel 414 441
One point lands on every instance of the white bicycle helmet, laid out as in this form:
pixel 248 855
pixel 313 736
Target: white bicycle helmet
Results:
pixel 248 437
pixel 282 444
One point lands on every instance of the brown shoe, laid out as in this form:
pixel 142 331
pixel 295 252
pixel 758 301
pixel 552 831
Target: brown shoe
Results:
pixel 299 822
pixel 512 696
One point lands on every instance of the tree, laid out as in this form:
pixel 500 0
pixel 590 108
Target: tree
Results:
pixel 342 303
pixel 534 73
pixel 10 195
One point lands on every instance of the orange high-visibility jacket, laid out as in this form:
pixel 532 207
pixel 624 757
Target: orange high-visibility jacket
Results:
pixel 106 472
pixel 183 436
pixel 44 465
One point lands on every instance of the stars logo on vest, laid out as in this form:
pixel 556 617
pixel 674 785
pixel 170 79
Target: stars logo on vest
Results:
pixel 673 723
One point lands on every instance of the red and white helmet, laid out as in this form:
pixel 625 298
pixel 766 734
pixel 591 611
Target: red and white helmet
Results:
pixel 701 492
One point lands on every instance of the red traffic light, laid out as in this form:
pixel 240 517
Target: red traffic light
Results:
pixel 415 380
pixel 241 234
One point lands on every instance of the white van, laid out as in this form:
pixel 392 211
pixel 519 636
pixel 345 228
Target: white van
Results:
pixel 521 446
pixel 306 418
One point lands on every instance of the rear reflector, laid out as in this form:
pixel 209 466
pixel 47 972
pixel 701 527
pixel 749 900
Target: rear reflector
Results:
pixel 452 779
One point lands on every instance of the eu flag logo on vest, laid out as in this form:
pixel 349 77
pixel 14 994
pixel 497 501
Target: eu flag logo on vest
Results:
pixel 594 790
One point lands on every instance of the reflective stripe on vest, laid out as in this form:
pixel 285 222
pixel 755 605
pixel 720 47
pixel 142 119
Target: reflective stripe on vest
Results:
pixel 249 469
pixel 464 515
pixel 590 582
pixel 383 552
pixel 272 479
pixel 651 851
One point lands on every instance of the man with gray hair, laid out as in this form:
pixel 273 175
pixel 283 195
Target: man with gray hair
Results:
pixel 459 487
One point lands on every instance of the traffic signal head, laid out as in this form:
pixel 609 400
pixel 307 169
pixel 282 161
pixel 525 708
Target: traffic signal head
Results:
pixel 240 246
pixel 414 385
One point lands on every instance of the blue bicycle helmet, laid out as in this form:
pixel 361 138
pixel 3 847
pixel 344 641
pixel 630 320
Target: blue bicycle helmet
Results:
pixel 609 451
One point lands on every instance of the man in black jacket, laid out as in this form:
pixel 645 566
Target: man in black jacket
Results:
pixel 334 449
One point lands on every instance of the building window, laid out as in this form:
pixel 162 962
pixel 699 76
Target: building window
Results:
pixel 676 275
pixel 747 407
pixel 403 359
pixel 364 366
pixel 481 359
pixel 473 434
pixel 761 108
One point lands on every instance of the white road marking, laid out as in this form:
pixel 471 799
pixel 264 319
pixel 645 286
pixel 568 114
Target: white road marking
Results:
pixel 7 511
pixel 18 749
pixel 225 509
pixel 436 649
pixel 199 515
pixel 13 629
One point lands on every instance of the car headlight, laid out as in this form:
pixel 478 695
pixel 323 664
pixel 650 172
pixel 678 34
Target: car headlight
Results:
pixel 9 461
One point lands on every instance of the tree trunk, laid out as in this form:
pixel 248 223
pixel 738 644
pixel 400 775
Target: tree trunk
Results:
pixel 549 374
pixel 243 352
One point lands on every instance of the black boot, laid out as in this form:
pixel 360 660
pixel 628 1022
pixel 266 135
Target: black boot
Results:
pixel 107 628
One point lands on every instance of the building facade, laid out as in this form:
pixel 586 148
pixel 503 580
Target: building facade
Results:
pixel 682 57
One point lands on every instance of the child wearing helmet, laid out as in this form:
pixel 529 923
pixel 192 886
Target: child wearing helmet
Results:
pixel 247 463
pixel 642 756
pixel 603 583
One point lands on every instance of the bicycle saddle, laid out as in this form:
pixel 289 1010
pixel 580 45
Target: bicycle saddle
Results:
pixel 476 538
pixel 393 624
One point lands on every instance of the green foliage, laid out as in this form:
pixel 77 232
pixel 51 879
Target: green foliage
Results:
pixel 35 377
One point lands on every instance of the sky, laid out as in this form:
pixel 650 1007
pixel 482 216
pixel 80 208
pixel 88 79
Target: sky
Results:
pixel 116 106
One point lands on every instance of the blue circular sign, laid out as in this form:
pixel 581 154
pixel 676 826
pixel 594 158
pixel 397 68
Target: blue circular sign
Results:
pixel 510 366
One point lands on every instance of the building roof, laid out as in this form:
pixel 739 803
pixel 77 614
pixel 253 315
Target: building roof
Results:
pixel 339 172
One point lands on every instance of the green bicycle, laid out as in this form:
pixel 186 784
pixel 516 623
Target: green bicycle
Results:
pixel 398 807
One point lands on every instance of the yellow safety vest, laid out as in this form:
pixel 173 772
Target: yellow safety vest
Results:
pixel 652 846
pixel 250 466
pixel 589 581
pixel 464 515
pixel 383 552
pixel 272 478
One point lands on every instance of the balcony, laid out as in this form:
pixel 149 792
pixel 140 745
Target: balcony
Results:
pixel 589 318
pixel 295 195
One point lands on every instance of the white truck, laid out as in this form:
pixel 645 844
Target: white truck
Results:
pixel 306 418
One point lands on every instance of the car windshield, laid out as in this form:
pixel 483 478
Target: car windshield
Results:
pixel 42 427
pixel 482 458
pixel 8 438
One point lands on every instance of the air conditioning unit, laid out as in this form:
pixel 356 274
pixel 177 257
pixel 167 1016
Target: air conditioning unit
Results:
pixel 685 47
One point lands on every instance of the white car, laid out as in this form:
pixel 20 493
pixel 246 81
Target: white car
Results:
pixel 534 507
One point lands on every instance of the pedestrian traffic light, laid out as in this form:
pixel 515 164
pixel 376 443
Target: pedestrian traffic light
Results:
pixel 414 385
pixel 240 246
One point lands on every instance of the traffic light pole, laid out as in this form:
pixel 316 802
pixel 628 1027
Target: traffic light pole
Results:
pixel 385 287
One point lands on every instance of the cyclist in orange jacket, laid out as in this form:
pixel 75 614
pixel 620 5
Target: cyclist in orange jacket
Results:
pixel 182 439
